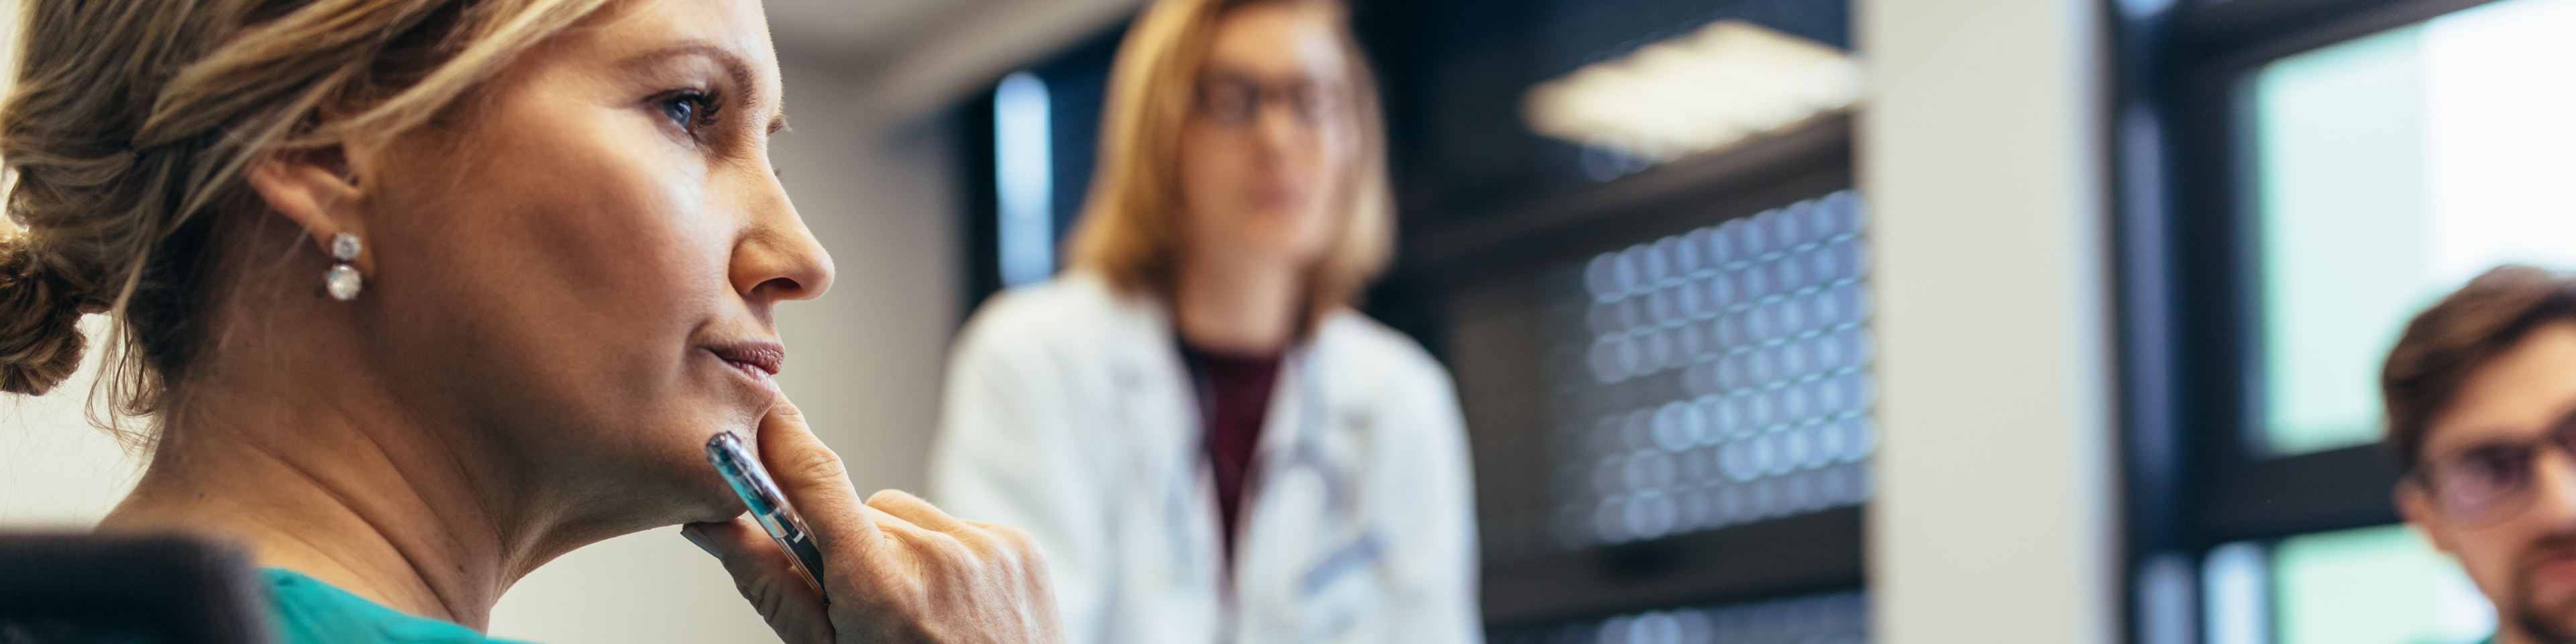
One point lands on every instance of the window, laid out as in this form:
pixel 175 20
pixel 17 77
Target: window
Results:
pixel 1024 180
pixel 2383 584
pixel 2298 179
pixel 1025 154
pixel 2378 585
pixel 2390 169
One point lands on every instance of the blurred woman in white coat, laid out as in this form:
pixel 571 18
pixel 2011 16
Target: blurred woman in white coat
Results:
pixel 1206 439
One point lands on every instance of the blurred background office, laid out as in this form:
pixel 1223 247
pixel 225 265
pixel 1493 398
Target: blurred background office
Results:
pixel 1773 320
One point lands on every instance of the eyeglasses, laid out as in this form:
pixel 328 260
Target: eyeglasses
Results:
pixel 2491 481
pixel 1234 100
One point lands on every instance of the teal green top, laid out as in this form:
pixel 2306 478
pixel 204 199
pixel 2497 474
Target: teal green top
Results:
pixel 307 611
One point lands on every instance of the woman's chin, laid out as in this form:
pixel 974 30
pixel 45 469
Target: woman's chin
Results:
pixel 651 479
pixel 713 501
pixel 698 503
pixel 696 493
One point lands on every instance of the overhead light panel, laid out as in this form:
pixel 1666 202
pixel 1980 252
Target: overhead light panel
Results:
pixel 1693 93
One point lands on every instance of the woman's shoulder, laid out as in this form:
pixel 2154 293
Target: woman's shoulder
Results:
pixel 1382 377
pixel 308 611
pixel 1356 348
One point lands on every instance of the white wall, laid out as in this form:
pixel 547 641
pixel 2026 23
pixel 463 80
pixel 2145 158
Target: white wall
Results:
pixel 864 364
pixel 1980 151
pixel 57 472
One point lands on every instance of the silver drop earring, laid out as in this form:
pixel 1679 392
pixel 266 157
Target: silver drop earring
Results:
pixel 342 282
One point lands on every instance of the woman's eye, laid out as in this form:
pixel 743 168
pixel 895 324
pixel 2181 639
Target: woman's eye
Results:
pixel 1229 102
pixel 688 110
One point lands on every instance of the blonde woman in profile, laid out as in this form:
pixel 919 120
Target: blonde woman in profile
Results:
pixel 1206 439
pixel 416 296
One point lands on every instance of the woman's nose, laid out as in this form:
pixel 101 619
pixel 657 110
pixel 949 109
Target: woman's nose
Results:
pixel 1279 127
pixel 777 258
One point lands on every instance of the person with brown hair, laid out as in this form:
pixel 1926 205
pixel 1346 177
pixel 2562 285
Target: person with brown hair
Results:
pixel 1209 442
pixel 414 296
pixel 2481 396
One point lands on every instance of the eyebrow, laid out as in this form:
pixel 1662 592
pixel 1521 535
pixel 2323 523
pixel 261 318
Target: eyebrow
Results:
pixel 2563 421
pixel 734 66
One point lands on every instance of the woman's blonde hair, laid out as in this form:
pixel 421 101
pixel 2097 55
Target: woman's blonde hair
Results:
pixel 130 124
pixel 1130 231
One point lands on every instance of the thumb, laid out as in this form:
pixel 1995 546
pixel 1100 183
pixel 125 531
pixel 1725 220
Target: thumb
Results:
pixel 818 485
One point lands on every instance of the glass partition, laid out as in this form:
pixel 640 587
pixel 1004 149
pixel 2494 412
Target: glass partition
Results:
pixel 1716 377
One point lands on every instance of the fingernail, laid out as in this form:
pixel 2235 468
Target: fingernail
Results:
pixel 691 533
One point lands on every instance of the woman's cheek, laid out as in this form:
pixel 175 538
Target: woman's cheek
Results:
pixel 680 216
pixel 1332 200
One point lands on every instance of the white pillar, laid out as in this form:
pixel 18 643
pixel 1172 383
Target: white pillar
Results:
pixel 1981 152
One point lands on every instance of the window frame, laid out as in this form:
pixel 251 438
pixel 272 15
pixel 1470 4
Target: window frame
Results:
pixel 2187 237
pixel 1076 79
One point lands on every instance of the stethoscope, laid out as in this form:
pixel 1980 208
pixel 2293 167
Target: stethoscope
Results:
pixel 1305 449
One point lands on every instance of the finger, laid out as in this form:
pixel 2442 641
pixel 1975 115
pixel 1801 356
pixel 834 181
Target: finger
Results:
pixel 817 484
pixel 855 548
pixel 1012 535
pixel 896 529
pixel 903 505
pixel 765 577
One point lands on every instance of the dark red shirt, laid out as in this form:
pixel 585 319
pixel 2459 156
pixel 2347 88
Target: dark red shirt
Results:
pixel 1234 399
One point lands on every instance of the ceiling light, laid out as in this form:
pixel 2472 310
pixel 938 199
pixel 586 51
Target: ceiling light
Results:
pixel 1693 93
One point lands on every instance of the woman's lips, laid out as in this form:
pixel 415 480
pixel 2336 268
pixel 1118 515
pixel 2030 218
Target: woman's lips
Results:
pixel 755 360
pixel 1279 197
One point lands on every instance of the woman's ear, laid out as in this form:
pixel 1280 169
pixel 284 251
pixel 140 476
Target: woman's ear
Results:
pixel 316 189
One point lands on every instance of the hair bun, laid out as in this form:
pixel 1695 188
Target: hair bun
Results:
pixel 40 336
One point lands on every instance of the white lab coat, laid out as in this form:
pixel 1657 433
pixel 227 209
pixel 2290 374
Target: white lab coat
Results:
pixel 1070 414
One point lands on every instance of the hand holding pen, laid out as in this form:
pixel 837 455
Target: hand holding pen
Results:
pixel 895 568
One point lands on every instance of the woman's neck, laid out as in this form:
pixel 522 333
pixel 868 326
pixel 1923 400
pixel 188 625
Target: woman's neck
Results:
pixel 1236 304
pixel 310 461
pixel 352 520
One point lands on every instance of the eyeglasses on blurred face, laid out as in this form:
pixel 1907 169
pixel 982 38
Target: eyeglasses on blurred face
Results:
pixel 1235 100
pixel 2492 481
